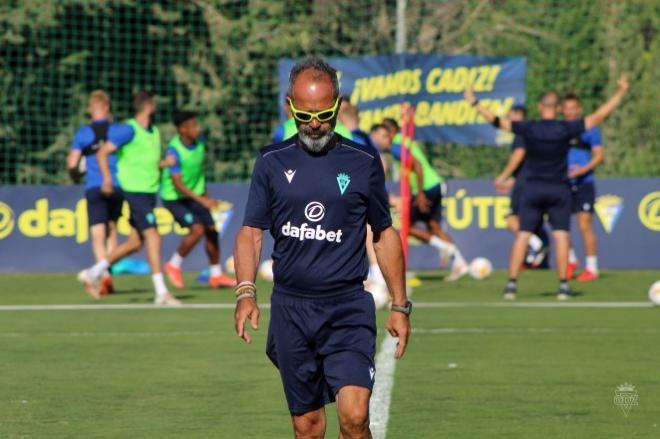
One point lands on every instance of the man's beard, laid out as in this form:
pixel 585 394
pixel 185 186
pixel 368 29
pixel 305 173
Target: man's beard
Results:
pixel 315 144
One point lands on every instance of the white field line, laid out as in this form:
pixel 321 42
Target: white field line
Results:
pixel 146 306
pixel 379 406
pixel 557 330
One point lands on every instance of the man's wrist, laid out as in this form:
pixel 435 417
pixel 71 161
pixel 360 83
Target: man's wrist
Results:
pixel 404 308
pixel 245 289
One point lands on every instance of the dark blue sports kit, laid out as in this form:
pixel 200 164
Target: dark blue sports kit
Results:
pixel 583 188
pixel 322 331
pixel 546 189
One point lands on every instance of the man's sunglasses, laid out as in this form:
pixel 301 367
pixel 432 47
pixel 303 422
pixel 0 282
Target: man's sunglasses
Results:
pixel 321 116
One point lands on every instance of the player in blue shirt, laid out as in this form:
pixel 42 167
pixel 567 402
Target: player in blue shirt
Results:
pixel 103 210
pixel 316 193
pixel 585 155
pixel 138 147
pixel 547 189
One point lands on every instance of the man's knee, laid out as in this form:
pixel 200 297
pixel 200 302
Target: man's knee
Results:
pixel 310 425
pixel 355 422
pixel 584 221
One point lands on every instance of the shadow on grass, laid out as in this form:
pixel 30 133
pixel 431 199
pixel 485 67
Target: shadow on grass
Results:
pixel 554 293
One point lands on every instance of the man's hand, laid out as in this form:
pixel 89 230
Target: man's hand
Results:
pixel 168 161
pixel 246 309
pixel 622 83
pixel 503 184
pixel 422 203
pixel 208 202
pixel 577 171
pixel 106 187
pixel 398 325
pixel 469 95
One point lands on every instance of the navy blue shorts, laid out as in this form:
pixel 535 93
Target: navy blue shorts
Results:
pixel 540 198
pixel 187 212
pixel 516 193
pixel 584 197
pixel 434 195
pixel 142 210
pixel 101 208
pixel 321 345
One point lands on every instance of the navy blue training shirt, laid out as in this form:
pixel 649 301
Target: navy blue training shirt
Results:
pixel 546 147
pixel 317 207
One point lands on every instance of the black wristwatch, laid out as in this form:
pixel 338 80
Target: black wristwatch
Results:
pixel 406 309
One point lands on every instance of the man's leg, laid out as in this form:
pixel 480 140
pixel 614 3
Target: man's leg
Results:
pixel 188 242
pixel 459 267
pixel 212 247
pixel 585 222
pixel 513 223
pixel 310 425
pixel 111 240
pixel 353 412
pixel 152 247
pixel 562 245
pixel 98 233
pixel 518 251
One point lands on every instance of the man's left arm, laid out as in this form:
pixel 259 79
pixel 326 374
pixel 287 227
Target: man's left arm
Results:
pixel 503 123
pixel 389 253
pixel 597 156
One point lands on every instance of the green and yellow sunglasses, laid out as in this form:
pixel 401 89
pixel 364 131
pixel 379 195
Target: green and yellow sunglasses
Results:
pixel 321 116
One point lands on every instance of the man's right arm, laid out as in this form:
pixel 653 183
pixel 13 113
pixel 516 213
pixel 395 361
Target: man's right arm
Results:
pixel 515 159
pixel 102 159
pixel 608 107
pixel 503 123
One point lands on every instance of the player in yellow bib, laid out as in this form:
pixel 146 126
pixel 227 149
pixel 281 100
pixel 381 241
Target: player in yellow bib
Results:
pixel 426 207
pixel 138 151
pixel 183 191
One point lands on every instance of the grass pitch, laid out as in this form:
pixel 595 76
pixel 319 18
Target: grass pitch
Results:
pixel 474 369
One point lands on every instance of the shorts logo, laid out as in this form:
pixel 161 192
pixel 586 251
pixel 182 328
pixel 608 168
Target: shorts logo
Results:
pixel 608 209
pixel 315 211
pixel 343 181
pixel 372 373
pixel 188 218
pixel 150 218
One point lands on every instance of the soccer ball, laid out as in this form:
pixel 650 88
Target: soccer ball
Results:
pixel 266 270
pixel 229 265
pixel 380 294
pixel 480 268
pixel 654 293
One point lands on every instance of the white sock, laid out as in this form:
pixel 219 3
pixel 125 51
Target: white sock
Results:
pixel 375 274
pixel 216 270
pixel 535 243
pixel 438 243
pixel 99 268
pixel 176 260
pixel 458 258
pixel 592 264
pixel 159 284
pixel 572 259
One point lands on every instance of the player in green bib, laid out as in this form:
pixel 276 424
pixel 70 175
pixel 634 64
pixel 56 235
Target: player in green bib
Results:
pixel 138 151
pixel 183 191
pixel 426 206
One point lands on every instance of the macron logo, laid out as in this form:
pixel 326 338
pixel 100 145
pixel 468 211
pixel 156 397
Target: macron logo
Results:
pixel 289 174
pixel 372 373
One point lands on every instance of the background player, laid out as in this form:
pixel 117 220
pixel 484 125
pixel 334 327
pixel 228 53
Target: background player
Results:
pixel 322 330
pixel 585 155
pixel 426 207
pixel 512 178
pixel 546 189
pixel 103 210
pixel 183 191
pixel 138 150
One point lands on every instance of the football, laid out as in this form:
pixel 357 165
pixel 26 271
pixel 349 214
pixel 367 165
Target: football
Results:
pixel 654 293
pixel 229 265
pixel 266 270
pixel 480 268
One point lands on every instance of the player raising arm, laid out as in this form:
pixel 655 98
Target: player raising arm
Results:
pixel 546 189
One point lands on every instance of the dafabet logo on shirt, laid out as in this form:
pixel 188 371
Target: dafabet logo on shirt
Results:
pixel 314 212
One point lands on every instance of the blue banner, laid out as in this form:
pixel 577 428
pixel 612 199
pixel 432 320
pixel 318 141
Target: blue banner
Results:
pixel 434 84
pixel 45 229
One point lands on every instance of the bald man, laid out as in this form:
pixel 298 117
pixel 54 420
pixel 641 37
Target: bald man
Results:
pixel 546 188
pixel 316 192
